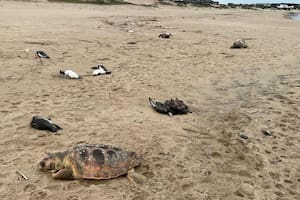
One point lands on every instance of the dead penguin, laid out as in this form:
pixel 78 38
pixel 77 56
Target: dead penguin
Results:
pixel 170 107
pixel 43 123
pixel 100 70
pixel 41 54
pixel 239 44
pixel 266 132
pixel 165 35
pixel 69 74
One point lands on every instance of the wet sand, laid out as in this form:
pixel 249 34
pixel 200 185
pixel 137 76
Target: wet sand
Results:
pixel 194 156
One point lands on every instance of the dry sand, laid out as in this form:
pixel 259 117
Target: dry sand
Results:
pixel 195 156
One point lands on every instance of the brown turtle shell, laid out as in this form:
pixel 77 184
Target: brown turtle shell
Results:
pixel 98 161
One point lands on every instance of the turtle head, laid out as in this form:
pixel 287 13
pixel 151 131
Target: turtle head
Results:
pixel 134 159
pixel 52 162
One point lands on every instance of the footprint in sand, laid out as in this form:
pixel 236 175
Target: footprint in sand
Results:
pixel 38 195
pixel 29 187
pixel 73 197
pixel 71 186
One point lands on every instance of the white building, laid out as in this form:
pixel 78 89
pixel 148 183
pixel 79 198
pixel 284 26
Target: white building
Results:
pixel 285 7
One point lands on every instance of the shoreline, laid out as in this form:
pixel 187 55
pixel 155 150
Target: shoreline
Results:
pixel 294 16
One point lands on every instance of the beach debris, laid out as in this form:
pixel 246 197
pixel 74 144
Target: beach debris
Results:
pixel 22 175
pixel 170 107
pixel 41 54
pixel 130 31
pixel 69 74
pixel 44 123
pixel 266 132
pixel 131 42
pixel 165 35
pixel 239 44
pixel 243 136
pixel 90 161
pixel 100 70
pixel 27 50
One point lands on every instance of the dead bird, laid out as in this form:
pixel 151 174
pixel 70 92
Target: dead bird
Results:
pixel 239 44
pixel 100 70
pixel 41 54
pixel 69 74
pixel 165 35
pixel 44 123
pixel 170 107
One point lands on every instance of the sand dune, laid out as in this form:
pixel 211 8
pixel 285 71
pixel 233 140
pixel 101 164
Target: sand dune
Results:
pixel 195 156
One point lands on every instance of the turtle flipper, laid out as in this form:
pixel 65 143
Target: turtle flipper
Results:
pixel 159 107
pixel 63 174
pixel 135 178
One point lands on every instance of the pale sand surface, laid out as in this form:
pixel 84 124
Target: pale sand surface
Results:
pixel 195 156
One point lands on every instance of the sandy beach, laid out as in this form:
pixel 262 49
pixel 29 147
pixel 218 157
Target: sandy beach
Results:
pixel 195 156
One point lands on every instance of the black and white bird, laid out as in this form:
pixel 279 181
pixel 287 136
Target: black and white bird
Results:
pixel 239 44
pixel 100 70
pixel 41 54
pixel 44 123
pixel 165 35
pixel 69 74
pixel 170 107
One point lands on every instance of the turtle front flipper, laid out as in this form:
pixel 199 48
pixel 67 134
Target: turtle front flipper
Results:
pixel 63 174
pixel 135 178
pixel 159 107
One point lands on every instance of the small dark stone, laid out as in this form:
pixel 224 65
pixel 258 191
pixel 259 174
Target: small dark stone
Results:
pixel 131 42
pixel 244 136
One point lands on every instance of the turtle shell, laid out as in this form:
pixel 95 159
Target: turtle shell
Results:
pixel 98 161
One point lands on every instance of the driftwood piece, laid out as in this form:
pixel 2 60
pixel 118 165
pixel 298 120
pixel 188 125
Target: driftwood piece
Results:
pixel 22 175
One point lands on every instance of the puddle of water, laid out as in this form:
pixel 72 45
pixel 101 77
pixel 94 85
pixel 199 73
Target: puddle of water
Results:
pixel 295 16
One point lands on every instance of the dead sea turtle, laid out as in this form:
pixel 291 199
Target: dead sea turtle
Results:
pixel 238 44
pixel 43 123
pixel 171 107
pixel 90 161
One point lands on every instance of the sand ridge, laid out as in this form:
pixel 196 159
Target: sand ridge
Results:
pixel 196 156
